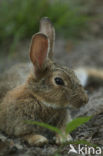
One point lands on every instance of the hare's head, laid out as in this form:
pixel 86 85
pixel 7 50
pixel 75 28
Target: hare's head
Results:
pixel 54 85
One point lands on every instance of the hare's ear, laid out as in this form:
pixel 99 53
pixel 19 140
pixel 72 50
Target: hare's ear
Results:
pixel 39 50
pixel 47 28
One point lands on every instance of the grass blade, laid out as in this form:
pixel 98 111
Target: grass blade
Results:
pixel 45 125
pixel 76 123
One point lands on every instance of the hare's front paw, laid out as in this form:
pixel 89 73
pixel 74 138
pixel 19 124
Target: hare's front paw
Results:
pixel 36 140
pixel 60 139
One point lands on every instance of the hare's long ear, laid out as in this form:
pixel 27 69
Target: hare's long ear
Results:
pixel 47 28
pixel 39 51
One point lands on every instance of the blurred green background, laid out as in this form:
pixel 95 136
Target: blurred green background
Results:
pixel 20 18
pixel 74 21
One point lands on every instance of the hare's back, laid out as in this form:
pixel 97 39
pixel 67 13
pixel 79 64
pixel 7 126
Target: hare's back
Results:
pixel 13 77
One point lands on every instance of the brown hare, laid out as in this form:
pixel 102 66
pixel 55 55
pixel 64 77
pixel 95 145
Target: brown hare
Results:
pixel 46 95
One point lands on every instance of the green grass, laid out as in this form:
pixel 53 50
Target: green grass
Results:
pixel 19 19
pixel 70 127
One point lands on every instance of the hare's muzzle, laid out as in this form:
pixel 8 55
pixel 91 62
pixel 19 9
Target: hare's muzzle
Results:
pixel 84 99
pixel 79 99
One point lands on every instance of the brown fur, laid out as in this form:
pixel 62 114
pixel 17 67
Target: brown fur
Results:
pixel 40 98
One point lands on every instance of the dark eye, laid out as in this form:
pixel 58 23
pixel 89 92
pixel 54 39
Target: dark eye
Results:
pixel 59 81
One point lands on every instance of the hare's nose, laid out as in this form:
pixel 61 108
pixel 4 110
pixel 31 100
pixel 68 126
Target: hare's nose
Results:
pixel 85 98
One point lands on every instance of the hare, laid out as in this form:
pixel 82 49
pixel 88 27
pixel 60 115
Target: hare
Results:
pixel 46 96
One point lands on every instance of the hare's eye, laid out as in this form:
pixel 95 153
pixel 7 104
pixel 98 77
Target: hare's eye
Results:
pixel 59 81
